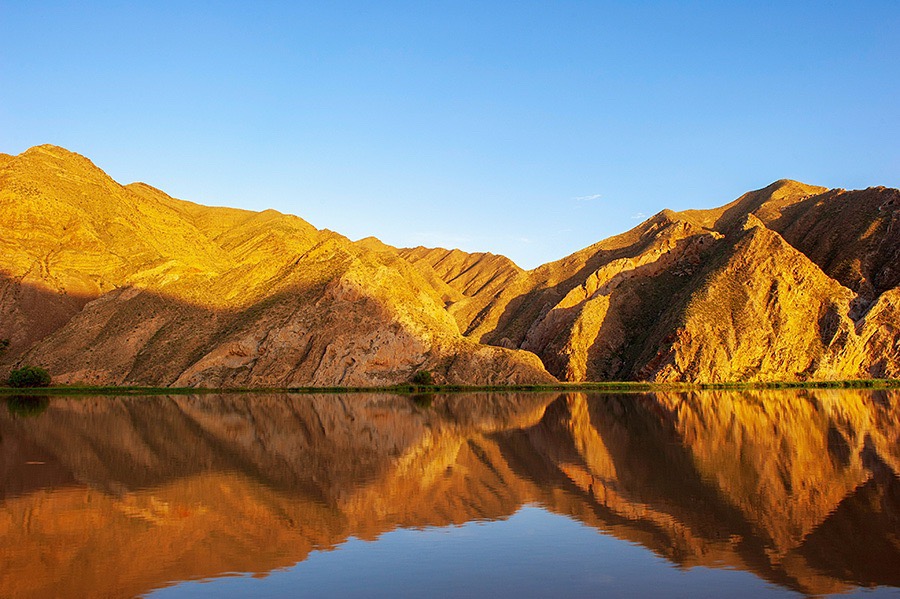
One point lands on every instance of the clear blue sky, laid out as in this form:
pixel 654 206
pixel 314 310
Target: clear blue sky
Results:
pixel 528 129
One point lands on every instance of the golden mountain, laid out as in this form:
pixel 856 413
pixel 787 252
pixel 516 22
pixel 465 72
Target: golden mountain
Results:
pixel 109 284
pixel 790 282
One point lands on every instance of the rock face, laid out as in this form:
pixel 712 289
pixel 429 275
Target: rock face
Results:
pixel 109 284
pixel 790 282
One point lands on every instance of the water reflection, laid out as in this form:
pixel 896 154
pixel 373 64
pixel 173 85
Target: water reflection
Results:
pixel 27 405
pixel 118 496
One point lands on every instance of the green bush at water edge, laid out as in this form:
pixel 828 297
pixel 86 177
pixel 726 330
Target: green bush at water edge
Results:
pixel 29 376
pixel 423 377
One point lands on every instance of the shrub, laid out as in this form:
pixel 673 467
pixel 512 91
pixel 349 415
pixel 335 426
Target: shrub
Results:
pixel 4 343
pixel 29 376
pixel 423 377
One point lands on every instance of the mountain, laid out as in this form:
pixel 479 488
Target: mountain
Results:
pixel 109 284
pixel 787 282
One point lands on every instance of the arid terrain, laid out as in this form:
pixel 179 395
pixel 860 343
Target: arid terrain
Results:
pixel 102 283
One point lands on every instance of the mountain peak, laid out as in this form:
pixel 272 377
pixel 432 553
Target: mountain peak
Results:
pixel 45 161
pixel 765 203
pixel 783 188
pixel 56 153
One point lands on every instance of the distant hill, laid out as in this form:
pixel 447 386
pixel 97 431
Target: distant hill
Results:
pixel 109 284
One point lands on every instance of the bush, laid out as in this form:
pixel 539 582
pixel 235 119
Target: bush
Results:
pixel 423 377
pixel 29 376
pixel 4 343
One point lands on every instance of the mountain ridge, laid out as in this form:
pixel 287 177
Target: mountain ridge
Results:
pixel 112 284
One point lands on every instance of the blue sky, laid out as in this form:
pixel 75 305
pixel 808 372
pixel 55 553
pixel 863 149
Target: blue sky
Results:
pixel 530 129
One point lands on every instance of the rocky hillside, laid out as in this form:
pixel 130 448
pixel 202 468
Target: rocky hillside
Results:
pixel 110 284
pixel 790 282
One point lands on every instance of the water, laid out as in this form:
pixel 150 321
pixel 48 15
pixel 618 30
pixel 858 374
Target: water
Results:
pixel 743 494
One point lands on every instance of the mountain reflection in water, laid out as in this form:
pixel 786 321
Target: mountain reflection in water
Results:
pixel 113 496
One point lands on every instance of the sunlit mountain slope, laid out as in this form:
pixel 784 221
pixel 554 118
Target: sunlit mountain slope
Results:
pixel 104 283
pixel 110 284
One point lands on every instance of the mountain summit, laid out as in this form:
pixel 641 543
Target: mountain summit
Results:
pixel 109 284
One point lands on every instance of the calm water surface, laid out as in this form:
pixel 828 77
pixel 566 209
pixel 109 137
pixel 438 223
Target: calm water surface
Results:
pixel 740 494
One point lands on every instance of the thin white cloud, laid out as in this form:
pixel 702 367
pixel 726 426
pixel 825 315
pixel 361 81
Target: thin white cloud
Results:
pixel 638 216
pixel 590 198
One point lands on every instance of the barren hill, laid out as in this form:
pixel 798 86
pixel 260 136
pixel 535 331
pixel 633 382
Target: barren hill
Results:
pixel 111 284
pixel 105 283
pixel 787 282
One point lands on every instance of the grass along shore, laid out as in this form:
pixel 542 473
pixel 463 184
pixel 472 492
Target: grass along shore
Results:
pixel 601 387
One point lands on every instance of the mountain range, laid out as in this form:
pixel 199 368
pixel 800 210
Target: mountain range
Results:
pixel 112 284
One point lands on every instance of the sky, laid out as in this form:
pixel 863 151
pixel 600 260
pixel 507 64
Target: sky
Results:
pixel 530 129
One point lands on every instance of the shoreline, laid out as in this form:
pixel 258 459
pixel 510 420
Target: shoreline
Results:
pixel 605 387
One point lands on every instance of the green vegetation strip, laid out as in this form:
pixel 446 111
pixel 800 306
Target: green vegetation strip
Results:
pixel 607 387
